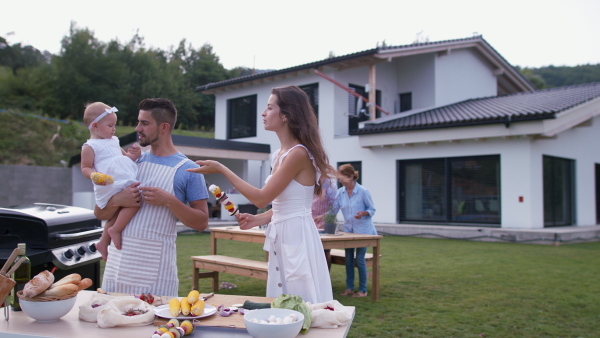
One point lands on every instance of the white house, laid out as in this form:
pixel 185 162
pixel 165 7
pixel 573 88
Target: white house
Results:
pixel 452 134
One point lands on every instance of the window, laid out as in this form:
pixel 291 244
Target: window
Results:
pixel 558 191
pixel 405 101
pixel 450 190
pixel 241 117
pixel 357 108
pixel 312 90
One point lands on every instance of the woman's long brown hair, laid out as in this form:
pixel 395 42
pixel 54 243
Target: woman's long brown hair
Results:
pixel 302 121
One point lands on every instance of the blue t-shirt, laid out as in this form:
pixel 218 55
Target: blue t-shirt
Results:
pixel 187 186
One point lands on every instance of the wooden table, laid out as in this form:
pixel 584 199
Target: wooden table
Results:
pixel 20 325
pixel 341 240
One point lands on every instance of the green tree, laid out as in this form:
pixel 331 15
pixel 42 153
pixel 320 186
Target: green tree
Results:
pixel 535 79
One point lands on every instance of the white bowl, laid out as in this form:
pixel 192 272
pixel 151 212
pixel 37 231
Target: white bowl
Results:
pixel 47 311
pixel 258 330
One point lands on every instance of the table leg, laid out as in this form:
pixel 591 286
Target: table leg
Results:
pixel 213 243
pixel 195 276
pixel 375 277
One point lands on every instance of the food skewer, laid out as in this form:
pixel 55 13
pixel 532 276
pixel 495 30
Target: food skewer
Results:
pixel 222 198
pixel 9 262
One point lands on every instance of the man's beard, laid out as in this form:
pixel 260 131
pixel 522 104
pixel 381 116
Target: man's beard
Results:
pixel 147 143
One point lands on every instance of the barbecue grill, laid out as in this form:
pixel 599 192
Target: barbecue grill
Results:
pixel 57 236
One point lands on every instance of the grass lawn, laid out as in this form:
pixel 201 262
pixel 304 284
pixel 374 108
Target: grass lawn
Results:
pixel 451 288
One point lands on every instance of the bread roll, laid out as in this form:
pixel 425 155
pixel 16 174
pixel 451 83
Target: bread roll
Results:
pixel 61 290
pixel 84 284
pixel 38 284
pixel 73 278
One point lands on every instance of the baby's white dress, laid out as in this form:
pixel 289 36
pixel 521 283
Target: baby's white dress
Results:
pixel 297 263
pixel 109 159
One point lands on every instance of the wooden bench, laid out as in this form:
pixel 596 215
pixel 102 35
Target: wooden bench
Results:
pixel 339 257
pixel 232 265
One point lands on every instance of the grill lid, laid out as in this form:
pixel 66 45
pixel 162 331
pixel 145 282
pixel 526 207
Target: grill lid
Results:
pixel 46 226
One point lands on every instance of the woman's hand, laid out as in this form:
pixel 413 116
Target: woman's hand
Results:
pixel 247 221
pixel 361 214
pixel 207 167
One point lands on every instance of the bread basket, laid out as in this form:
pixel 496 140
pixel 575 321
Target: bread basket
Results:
pixel 46 298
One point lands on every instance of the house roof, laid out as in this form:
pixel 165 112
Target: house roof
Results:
pixel 527 106
pixel 509 79
pixel 202 148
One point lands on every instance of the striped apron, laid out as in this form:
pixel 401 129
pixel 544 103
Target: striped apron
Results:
pixel 147 261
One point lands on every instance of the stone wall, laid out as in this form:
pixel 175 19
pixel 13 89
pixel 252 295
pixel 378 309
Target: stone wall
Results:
pixel 23 184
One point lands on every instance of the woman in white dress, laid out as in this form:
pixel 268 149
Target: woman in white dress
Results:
pixel 297 263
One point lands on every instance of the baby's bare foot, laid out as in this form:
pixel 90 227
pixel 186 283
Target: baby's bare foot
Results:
pixel 102 247
pixel 116 238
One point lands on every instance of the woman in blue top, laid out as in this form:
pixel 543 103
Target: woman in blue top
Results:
pixel 357 207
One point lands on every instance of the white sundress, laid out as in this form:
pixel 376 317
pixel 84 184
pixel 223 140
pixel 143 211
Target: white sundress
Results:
pixel 109 159
pixel 297 263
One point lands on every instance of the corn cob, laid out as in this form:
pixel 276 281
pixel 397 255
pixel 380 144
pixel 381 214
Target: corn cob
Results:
pixel 101 179
pixel 185 306
pixel 174 307
pixel 193 296
pixel 198 307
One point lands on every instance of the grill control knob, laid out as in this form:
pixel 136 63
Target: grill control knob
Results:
pixel 69 254
pixel 81 250
pixel 93 247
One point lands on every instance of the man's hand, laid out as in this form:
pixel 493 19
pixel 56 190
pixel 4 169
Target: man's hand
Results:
pixel 156 196
pixel 127 198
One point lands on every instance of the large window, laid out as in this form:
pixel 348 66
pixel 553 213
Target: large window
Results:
pixel 312 90
pixel 241 117
pixel 357 108
pixel 559 198
pixel 450 190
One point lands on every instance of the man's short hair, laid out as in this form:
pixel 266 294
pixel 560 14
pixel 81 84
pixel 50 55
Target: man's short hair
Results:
pixel 162 110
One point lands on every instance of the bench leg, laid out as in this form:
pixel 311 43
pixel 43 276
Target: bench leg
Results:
pixel 215 280
pixel 196 275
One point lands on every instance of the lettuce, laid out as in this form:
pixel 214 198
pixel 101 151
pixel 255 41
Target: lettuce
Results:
pixel 294 302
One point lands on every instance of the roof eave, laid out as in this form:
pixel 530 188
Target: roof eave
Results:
pixel 212 88
pixel 505 121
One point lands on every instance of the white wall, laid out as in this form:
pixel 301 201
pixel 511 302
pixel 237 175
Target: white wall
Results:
pixel 579 144
pixel 461 75
pixel 416 74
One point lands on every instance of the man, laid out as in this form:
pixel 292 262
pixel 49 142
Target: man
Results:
pixel 147 261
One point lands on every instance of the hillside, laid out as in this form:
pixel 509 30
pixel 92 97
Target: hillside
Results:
pixel 29 139
pixel 558 76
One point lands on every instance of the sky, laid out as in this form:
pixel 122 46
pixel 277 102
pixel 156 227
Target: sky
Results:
pixel 269 34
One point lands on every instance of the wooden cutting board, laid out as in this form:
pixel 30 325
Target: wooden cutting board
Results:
pixel 235 320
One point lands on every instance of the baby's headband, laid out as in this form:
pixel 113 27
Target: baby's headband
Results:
pixel 106 112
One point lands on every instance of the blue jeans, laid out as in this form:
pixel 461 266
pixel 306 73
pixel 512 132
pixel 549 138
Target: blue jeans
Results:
pixel 362 269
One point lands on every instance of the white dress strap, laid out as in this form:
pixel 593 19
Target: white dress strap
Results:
pixel 312 158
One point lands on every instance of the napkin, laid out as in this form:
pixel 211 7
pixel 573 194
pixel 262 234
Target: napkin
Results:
pixel 110 311
pixel 323 317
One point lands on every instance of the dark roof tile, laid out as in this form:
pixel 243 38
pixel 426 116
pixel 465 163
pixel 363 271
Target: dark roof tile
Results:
pixel 525 106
